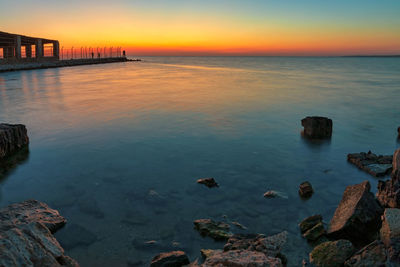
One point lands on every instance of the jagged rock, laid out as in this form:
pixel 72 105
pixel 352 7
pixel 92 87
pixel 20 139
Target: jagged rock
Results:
pixel 390 233
pixel 209 182
pixel 242 258
pixel 332 253
pixel 315 232
pixel 357 217
pixel 170 259
pixel 248 250
pixel 26 236
pixel 389 191
pixel 309 223
pixel 373 254
pixel 32 211
pixel 215 230
pixel 12 138
pixel 275 194
pixel 371 163
pixel 317 127
pixel 306 190
pixel 270 246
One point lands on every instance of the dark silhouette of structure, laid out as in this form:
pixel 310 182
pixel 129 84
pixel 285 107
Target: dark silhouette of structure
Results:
pixel 19 48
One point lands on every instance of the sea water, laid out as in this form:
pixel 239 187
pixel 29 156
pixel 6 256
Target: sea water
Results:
pixel 117 148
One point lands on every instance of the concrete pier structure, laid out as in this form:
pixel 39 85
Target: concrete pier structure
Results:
pixel 15 48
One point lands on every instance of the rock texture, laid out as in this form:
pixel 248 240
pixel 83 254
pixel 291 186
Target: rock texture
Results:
pixel 241 258
pixel 310 222
pixel 389 191
pixel 332 253
pixel 390 233
pixel 170 259
pixel 215 230
pixel 12 138
pixel 372 163
pixel 317 127
pixel 248 250
pixel 306 190
pixel 357 217
pixel 373 254
pixel 26 236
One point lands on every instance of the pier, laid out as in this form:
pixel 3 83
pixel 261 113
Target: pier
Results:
pixel 19 52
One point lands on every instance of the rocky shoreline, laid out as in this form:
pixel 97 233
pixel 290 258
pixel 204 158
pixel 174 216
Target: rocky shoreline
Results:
pixel 364 230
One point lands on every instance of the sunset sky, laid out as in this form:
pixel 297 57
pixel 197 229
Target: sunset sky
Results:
pixel 212 27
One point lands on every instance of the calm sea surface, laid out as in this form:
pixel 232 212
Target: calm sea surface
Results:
pixel 117 148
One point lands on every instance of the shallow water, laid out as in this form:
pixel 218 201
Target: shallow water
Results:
pixel 117 148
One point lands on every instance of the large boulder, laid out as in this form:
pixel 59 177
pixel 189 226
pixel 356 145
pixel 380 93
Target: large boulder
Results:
pixel 170 259
pixel 389 191
pixel 390 233
pixel 376 165
pixel 373 254
pixel 12 138
pixel 357 217
pixel 26 236
pixel 317 127
pixel 331 253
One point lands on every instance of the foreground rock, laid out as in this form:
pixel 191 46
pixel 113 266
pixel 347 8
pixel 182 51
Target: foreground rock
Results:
pixel 209 182
pixel 242 258
pixel 313 228
pixel 390 233
pixel 215 230
pixel 357 217
pixel 389 191
pixel 373 254
pixel 170 259
pixel 248 250
pixel 310 222
pixel 372 163
pixel 26 236
pixel 317 127
pixel 332 253
pixel 12 138
pixel 305 190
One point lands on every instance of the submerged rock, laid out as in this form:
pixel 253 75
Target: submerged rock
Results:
pixel 317 127
pixel 305 189
pixel 275 194
pixel 170 259
pixel 215 230
pixel 332 253
pixel 26 236
pixel 357 217
pixel 371 163
pixel 209 182
pixel 309 223
pixel 373 254
pixel 315 232
pixel 12 138
pixel 75 235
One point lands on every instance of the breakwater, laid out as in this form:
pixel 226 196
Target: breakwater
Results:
pixel 60 63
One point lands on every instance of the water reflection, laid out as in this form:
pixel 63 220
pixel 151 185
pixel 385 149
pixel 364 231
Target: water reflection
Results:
pixel 117 148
